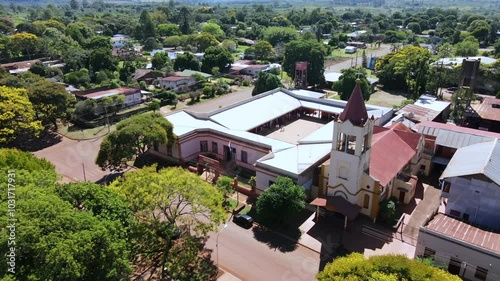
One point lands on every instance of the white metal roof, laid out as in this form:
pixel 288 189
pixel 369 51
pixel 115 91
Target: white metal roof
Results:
pixel 297 159
pixel 453 137
pixel 276 145
pixel 458 61
pixel 185 123
pixel 307 93
pixel 481 158
pixel 256 112
pixel 431 102
pixel 335 76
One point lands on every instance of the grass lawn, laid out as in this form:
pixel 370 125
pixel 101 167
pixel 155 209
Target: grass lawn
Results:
pixel 240 50
pixel 74 132
pixel 233 204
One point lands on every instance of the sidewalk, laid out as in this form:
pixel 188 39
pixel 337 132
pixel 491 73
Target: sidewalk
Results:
pixel 226 276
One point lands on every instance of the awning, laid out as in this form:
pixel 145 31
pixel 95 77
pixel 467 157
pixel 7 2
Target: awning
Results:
pixel 340 205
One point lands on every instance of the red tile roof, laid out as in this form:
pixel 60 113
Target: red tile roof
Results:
pixel 355 109
pixel 400 127
pixel 467 233
pixel 391 150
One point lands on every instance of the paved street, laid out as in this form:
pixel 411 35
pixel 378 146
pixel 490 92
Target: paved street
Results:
pixel 384 49
pixel 252 260
pixel 71 157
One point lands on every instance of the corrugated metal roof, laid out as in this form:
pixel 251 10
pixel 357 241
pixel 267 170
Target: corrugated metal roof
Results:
pixel 481 158
pixel 450 135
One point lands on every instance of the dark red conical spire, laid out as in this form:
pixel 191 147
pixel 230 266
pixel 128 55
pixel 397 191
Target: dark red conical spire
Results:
pixel 355 109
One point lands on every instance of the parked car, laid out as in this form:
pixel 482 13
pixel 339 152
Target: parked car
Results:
pixel 243 220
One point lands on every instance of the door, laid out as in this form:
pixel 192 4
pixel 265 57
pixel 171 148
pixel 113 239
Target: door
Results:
pixel 454 266
pixel 402 196
pixel 227 155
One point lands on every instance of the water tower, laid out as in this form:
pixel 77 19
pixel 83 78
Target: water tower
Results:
pixel 300 74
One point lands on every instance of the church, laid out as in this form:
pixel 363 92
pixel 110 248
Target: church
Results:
pixel 368 163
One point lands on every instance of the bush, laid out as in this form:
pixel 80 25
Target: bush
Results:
pixel 389 211
pixel 245 83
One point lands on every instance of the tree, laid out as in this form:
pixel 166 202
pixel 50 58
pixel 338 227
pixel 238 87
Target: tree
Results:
pixel 408 69
pixel 347 82
pixel 112 104
pixel 102 59
pixel 266 82
pixel 75 58
pixel 161 60
pixel 127 71
pixel 39 68
pixel 74 4
pixel 146 27
pixel 154 106
pixel 384 267
pixel 364 60
pixel 168 29
pixel 212 28
pixel 18 115
pixel 205 40
pixel 132 138
pixel 151 44
pixel 168 199
pixel 80 78
pixel 480 29
pixel 275 34
pixel 414 27
pixel 23 43
pixel 283 199
pixel 185 20
pixel 51 101
pixel 186 61
pixel 61 226
pixel 262 49
pixel 468 47
pixel 309 51
pixel 225 186
pixel 216 57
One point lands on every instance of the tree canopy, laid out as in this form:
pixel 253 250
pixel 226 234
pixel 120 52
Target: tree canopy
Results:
pixel 132 138
pixel 17 115
pixel 218 57
pixel 282 199
pixel 186 61
pixel 310 51
pixel 385 267
pixel 266 82
pixel 347 81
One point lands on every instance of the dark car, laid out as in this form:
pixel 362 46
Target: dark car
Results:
pixel 243 220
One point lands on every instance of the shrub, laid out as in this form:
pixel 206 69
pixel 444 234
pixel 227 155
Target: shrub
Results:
pixel 389 211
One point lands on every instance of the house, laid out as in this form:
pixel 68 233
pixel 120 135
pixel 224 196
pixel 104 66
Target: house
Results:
pixel 189 73
pixel 146 75
pixel 443 140
pixel 254 69
pixel 119 40
pixel 356 34
pixel 290 136
pixel 425 108
pixel 368 163
pixel 489 113
pixel 24 66
pixel 133 96
pixel 466 235
pixel 457 62
pixel 178 84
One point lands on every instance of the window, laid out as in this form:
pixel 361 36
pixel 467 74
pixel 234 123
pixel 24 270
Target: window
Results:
pixel 244 156
pixel 454 266
pixel 465 218
pixel 215 148
pixel 203 146
pixel 446 187
pixel 343 172
pixel 429 253
pixel 481 273
pixel 455 213
pixel 422 167
pixel 366 201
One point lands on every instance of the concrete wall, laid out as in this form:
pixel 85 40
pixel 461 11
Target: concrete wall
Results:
pixel 133 99
pixel 262 180
pixel 471 256
pixel 477 198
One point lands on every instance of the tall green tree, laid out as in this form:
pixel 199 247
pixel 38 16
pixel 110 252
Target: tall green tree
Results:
pixel 468 47
pixel 161 60
pixel 309 51
pixel 266 82
pixel 347 81
pixel 132 138
pixel 275 35
pixel 205 40
pixel 51 101
pixel 146 27
pixel 216 57
pixel 18 115
pixel 214 29
pixel 77 231
pixel 168 29
pixel 186 61
pixel 185 20
pixel 168 199
pixel 385 267
pixel 225 186
pixel 283 199
pixel 102 59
